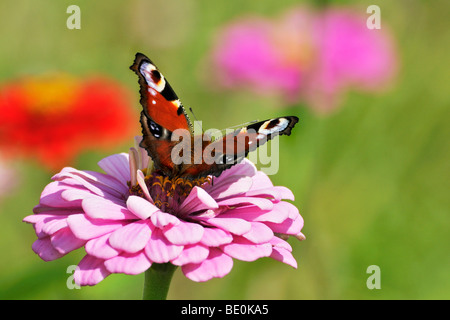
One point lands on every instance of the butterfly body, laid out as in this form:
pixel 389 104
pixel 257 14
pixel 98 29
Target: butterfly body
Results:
pixel 168 132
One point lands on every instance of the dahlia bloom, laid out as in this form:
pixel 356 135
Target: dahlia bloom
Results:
pixel 53 117
pixel 304 55
pixel 131 217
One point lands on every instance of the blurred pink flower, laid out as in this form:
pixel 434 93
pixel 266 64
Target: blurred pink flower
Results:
pixel 304 56
pixel 349 56
pixel 195 224
pixel 246 55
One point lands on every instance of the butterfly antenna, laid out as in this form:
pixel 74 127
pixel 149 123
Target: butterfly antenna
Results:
pixel 195 118
pixel 245 124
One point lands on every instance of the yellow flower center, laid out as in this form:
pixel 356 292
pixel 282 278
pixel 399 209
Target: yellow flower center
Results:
pixel 50 93
pixel 167 194
pixel 294 44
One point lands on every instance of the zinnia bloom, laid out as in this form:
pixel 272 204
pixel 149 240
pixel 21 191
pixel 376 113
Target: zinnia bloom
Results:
pixel 305 55
pixel 53 117
pixel 131 217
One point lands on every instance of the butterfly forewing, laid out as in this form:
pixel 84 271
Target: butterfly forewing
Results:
pixel 234 147
pixel 158 99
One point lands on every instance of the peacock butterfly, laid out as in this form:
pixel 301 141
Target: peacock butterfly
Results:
pixel 163 118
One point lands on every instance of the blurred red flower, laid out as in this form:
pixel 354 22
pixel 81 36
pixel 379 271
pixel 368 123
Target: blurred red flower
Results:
pixel 53 117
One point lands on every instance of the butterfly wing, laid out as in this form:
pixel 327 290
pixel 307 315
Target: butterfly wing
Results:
pixel 234 147
pixel 162 113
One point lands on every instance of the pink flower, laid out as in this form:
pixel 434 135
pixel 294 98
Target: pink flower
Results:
pixel 349 56
pixel 304 56
pixel 127 220
pixel 245 55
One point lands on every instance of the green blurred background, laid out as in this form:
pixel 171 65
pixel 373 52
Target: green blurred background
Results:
pixel 371 180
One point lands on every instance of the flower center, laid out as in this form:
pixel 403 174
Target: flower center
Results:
pixel 167 194
pixel 50 93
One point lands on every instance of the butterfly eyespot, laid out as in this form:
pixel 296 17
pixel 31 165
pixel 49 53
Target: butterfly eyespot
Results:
pixel 156 76
pixel 155 129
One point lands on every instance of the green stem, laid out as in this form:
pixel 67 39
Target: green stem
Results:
pixel 157 281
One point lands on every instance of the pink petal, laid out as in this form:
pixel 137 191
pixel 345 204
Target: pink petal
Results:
pixel 214 237
pixel 233 225
pixel 217 265
pixel 198 199
pixel 289 226
pixel 104 182
pixel 90 271
pixel 85 228
pixel 278 214
pixel 263 204
pixel 184 233
pixel 128 263
pixel 285 193
pixel 291 210
pixel 132 237
pixel 52 196
pixel 34 218
pixel 276 192
pixel 100 248
pixel 53 187
pixel 284 256
pixel 141 207
pixel 64 241
pixel 143 158
pixel 162 219
pixel 38 230
pixel 141 181
pixel 98 183
pixel 245 250
pixel 280 243
pixel 46 224
pixel 98 208
pixel 39 209
pixel 77 194
pixel 44 249
pixel 38 223
pixel 259 233
pixel 191 254
pixel 160 250
pixel 246 168
pixel 229 186
pixel 267 192
pixel 117 166
pixel 261 181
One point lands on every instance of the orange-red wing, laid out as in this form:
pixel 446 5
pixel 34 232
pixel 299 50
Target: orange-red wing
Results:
pixel 231 149
pixel 158 99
